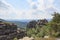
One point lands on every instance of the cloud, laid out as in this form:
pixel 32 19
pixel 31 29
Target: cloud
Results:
pixel 39 9
pixel 9 13
pixel 44 6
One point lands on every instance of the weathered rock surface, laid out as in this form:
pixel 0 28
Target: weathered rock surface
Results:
pixel 27 38
pixel 7 31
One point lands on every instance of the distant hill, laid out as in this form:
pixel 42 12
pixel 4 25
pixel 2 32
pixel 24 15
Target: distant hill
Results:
pixel 2 20
pixel 19 23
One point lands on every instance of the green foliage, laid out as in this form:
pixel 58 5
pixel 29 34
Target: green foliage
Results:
pixel 31 32
pixel 51 28
pixel 55 24
pixel 56 34
pixel 56 18
pixel 15 39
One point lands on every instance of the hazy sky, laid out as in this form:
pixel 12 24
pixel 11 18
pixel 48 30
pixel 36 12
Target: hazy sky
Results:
pixel 28 9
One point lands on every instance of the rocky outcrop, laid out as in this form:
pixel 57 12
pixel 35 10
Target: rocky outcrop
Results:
pixel 33 23
pixel 7 31
pixel 27 38
pixel 21 33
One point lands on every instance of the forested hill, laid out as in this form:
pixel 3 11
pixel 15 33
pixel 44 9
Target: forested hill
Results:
pixel 19 23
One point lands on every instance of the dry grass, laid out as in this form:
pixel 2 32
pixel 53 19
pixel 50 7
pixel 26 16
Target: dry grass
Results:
pixel 44 38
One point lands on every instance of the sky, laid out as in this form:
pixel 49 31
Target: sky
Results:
pixel 28 9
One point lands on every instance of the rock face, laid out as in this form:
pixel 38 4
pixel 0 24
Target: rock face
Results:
pixel 33 23
pixel 21 33
pixel 7 31
pixel 27 38
pixel 42 22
